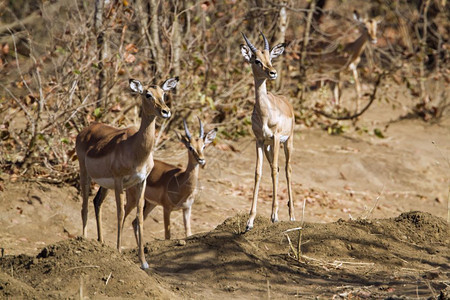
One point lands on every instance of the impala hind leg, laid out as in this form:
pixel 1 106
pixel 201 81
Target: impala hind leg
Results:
pixel 98 201
pixel 85 186
pixel 167 223
pixel 288 147
pixel 258 172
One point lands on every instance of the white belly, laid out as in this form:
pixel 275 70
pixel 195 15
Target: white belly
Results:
pixel 128 181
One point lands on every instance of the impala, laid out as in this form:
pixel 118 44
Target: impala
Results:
pixel 272 124
pixel 118 159
pixel 349 56
pixel 172 187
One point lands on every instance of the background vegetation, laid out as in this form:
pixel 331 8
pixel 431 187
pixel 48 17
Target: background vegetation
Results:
pixel 64 64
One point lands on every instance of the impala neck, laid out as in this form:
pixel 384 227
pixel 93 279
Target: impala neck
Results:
pixel 357 47
pixel 188 179
pixel 262 101
pixel 145 137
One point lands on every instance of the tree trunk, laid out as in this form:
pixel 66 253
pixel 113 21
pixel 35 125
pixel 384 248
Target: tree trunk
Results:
pixel 101 50
pixel 281 38
pixel 159 54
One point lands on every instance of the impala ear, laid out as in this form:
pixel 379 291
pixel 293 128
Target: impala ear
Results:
pixel 136 86
pixel 246 52
pixel 357 17
pixel 378 19
pixel 277 50
pixel 170 84
pixel 210 136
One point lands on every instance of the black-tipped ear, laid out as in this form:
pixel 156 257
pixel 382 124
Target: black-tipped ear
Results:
pixel 170 84
pixel 210 136
pixel 136 86
pixel 246 52
pixel 277 50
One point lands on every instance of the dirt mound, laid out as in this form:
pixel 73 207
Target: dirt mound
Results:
pixel 377 258
pixel 76 267
pixel 407 255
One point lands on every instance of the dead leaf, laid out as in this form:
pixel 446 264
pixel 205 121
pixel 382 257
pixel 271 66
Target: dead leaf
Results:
pixel 129 58
pixel 131 48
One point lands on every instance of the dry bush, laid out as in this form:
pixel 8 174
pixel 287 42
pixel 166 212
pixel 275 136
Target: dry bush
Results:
pixel 60 72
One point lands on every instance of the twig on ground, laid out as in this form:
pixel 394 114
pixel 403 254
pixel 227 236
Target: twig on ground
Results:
pixel 107 279
pixel 375 204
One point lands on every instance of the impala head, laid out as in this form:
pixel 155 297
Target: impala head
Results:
pixel 261 61
pixel 153 97
pixel 196 145
pixel 368 26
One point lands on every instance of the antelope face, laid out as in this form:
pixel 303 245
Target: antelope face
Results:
pixel 368 26
pixel 153 97
pixel 197 145
pixel 261 61
pixel 371 28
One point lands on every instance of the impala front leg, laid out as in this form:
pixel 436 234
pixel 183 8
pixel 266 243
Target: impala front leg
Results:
pixel 357 85
pixel 258 172
pixel 187 221
pixel 276 149
pixel 140 188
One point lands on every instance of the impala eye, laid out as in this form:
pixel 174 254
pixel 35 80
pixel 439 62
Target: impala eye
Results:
pixel 258 62
pixel 148 96
pixel 190 148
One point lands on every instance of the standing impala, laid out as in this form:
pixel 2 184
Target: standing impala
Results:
pixel 272 124
pixel 172 187
pixel 349 56
pixel 118 159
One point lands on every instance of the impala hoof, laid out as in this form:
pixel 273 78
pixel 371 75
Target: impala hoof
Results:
pixel 144 266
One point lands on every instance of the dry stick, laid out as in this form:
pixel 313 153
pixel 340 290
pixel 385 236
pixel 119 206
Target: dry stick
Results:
pixel 109 277
pixel 300 232
pixel 423 44
pixel 33 122
pixel 358 114
pixel 376 203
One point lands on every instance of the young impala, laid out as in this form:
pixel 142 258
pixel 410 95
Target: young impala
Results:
pixel 272 124
pixel 349 56
pixel 118 159
pixel 172 187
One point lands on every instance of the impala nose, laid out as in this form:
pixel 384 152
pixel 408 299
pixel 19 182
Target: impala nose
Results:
pixel 273 74
pixel 165 113
pixel 374 41
pixel 202 162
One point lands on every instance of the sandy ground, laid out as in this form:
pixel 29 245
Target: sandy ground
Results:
pixel 360 238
